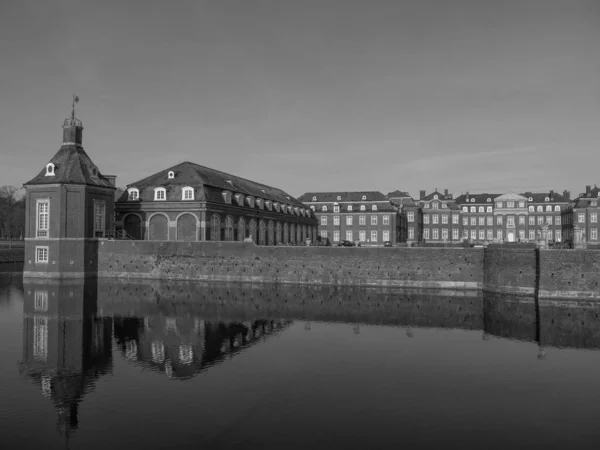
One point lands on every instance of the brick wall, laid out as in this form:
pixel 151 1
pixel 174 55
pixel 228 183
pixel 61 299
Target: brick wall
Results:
pixel 569 273
pixel 246 262
pixel 510 270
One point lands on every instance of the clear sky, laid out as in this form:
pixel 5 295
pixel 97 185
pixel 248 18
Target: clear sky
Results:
pixel 310 95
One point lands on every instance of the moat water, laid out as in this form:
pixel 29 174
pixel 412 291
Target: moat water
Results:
pixel 156 365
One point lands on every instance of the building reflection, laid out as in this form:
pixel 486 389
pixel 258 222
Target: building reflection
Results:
pixel 184 346
pixel 66 345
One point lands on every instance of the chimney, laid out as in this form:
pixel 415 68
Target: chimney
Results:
pixel 567 194
pixel 588 190
pixel 446 193
pixel 551 194
pixel 112 179
pixel 421 195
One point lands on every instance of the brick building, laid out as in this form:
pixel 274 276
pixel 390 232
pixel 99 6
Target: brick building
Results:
pixel 189 202
pixel 545 215
pixel 365 217
pixel 440 217
pixel 410 216
pixel 477 216
pixel 580 219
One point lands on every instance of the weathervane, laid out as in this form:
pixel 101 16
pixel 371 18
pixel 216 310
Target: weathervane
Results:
pixel 75 100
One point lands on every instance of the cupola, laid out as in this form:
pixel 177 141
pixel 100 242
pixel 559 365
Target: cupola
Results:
pixel 73 128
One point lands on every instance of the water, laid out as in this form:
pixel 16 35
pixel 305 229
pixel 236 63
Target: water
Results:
pixel 157 365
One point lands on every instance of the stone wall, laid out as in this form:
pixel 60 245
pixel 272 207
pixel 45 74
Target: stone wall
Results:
pixel 569 273
pixel 510 270
pixel 246 262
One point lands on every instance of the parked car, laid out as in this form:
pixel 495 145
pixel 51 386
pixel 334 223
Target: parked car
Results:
pixel 345 243
pixel 387 244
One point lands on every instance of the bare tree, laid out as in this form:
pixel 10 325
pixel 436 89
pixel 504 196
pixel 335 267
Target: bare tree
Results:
pixel 9 200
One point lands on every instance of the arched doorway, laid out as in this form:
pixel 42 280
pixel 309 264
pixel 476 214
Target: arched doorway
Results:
pixel 215 228
pixel 271 232
pixel 229 228
pixel 241 229
pixel 133 226
pixel 159 228
pixel 510 236
pixel 253 229
pixel 186 228
pixel 262 232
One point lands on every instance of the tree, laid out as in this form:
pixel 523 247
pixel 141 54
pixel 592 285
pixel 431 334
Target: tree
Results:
pixel 12 212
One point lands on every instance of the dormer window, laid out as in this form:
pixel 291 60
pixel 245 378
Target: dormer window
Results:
pixel 314 198
pixel 472 200
pixel 296 210
pixel 250 201
pixel 547 199
pixel 263 191
pixel 435 197
pixel 349 207
pixel 50 170
pixel 133 193
pixel 364 197
pixel 374 208
pixel 171 175
pixel 530 199
pixel 94 172
pixel 312 208
pixel 531 209
pixel 339 197
pixel 227 196
pixel 336 208
pixel 160 194
pixel 276 206
pixel 489 200
pixel 239 198
pixel 557 208
pixel 187 193
pixel 363 208
pixel 260 203
pixel 324 208
pixel 269 205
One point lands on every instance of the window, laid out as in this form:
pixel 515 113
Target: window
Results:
pixel 49 170
pixel 363 208
pixel 133 194
pixel 324 233
pixel 510 221
pixel 349 208
pixel 473 221
pixel 557 208
pixel 521 204
pixel 489 235
pixel 411 216
pixel 364 197
pixel 444 218
pixel 336 236
pixel 531 235
pixel 557 220
pixel 454 234
pixel 498 220
pixel 339 197
pixel 386 235
pixel 323 220
pixel 373 235
pixel 465 221
pixel 435 196
pixel 531 220
pixel 498 204
pixel 171 174
pixel 481 235
pixel 474 234
pixel 521 220
pixel 435 218
pixel 348 220
pixel 557 235
pixel 465 209
pixel 548 208
pixel 373 220
pixel 455 219
pixel 187 193
pixel 314 198
pixel 41 254
pixel 549 235
pixel 434 205
pixel 426 205
pixel 593 217
pixel 522 235
pixel 160 194
pixel 336 208
pixel 374 208
pixel 473 209
pixel 426 233
pixel 324 208
pixel 472 200
pixel 349 235
pixel 43 218
pixel 488 209
pixel 481 221
pixel 540 208
pixel 435 234
pixel 362 235
pixel 549 220
pixel 547 199
pixel 465 234
pixel 276 205
pixel 41 301
pixel 481 209
pixel 540 220
pixel 411 233
pixel 499 234
pixel 594 233
pixel 362 220
pixel 490 221
pixel 489 200
pixel 426 218
pixel 99 215
pixel 386 220
pixel 581 217
pixel 444 206
pixel 531 209
pixel 336 220
pixel 445 234
pixel 510 204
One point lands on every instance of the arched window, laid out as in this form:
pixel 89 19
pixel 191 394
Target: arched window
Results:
pixel 229 228
pixel 312 208
pixel 547 199
pixel 481 209
pixel 489 209
pixel 363 208
pixel 187 193
pixel 339 197
pixel 531 208
pixel 472 200
pixel 171 174
pixel 314 198
pixel 133 194
pixel 50 170
pixel 548 208
pixel 530 199
pixel 349 207
pixel 215 228
pixel 540 208
pixel 241 229
pixel 465 209
pixel 557 208
pixel 160 194
pixel 489 200
pixel 374 208
pixel 473 209
pixel 435 197
pixel 364 197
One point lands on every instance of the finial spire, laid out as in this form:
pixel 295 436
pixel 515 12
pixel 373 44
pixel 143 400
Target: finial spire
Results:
pixel 72 126
pixel 75 100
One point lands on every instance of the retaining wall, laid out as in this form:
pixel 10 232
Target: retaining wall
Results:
pixel 569 273
pixel 444 268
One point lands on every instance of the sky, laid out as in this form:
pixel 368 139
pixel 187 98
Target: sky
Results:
pixel 310 95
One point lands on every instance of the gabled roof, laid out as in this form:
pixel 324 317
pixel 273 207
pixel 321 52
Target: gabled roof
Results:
pixel 371 196
pixel 434 193
pixel 538 197
pixel 72 165
pixel 479 198
pixel 585 202
pixel 198 177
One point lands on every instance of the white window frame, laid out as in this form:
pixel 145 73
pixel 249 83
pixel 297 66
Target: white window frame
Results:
pixel 349 220
pixel 374 236
pixel 323 220
pixel 386 235
pixel 336 208
pixel 324 233
pixel 426 233
pixel 557 220
pixel 362 235
pixel 444 234
pixel 411 233
pixel 349 208
pixel 593 218
pixel 481 235
pixel 425 218
pixel 481 221
pixel 363 208
pixel 185 191
pixel 558 235
pixel 336 220
pixel 44 230
pixel 581 217
pixel 489 209
pixel 374 208
pixel 362 220
pixel 435 218
pixel 531 235
pixel 42 254
pixel 454 234
pixel 373 220
pixel 410 216
pixel 99 219
pixel 386 219
pixel 594 234
pixel 161 190
pixel 455 219
pixel 444 218
pixel 349 235
pixel 435 234
pixel 324 208
pixel 531 220
pixel 336 235
pixel 133 194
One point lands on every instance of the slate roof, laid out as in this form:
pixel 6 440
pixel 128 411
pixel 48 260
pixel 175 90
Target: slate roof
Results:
pixel 541 197
pixel 72 166
pixel 397 194
pixel 593 192
pixel 440 195
pixel 585 202
pixel 372 196
pixel 199 177
pixel 479 198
